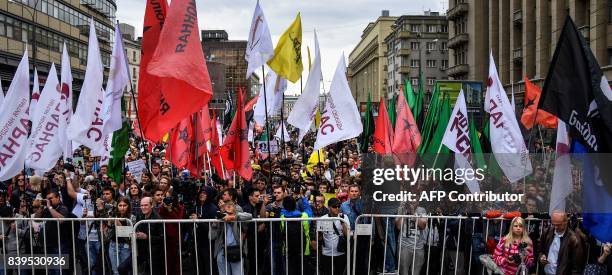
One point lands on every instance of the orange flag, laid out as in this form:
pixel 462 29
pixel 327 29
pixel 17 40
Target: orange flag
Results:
pixel 179 62
pixel 149 86
pixel 529 117
pixel 235 149
pixel 407 137
pixel 383 134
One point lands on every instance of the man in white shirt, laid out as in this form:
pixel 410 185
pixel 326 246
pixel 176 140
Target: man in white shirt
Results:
pixel 331 239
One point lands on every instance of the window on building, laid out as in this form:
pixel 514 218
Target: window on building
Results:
pixel 444 28
pixel 443 46
pixel 414 81
pixel 431 80
pixel 461 25
pixel 431 63
pixel 431 46
pixel 414 45
pixel 432 28
pixel 134 71
pixel 415 28
pixel 134 56
pixel 444 64
pixel 415 63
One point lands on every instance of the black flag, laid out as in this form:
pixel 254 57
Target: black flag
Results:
pixel 578 93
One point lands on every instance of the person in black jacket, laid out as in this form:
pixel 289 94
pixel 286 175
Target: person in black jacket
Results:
pixel 149 240
pixel 205 208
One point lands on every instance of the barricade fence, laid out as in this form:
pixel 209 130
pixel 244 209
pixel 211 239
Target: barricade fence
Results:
pixel 264 246
pixel 423 244
pixel 378 244
pixel 60 246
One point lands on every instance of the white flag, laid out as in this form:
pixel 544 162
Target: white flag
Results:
pixel 340 120
pixel 457 139
pixel 106 156
pixel 562 177
pixel 14 122
pixel 305 107
pixel 274 89
pixel 86 125
pixel 66 107
pixel 512 103
pixel 285 135
pixel 506 139
pixel 118 81
pixel 44 148
pixel 35 94
pixel 259 47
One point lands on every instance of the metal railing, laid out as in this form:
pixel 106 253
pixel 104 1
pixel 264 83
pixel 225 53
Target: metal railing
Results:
pixel 274 249
pixel 32 243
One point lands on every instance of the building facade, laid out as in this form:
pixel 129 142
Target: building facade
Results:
pixel 417 43
pixel 229 54
pixel 44 25
pixel 367 68
pixel 132 53
pixel 522 34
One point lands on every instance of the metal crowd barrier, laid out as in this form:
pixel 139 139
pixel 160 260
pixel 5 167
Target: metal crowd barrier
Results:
pixel 50 256
pixel 436 234
pixel 269 253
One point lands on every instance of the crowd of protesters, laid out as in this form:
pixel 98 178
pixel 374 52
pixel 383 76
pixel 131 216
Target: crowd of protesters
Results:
pixel 283 186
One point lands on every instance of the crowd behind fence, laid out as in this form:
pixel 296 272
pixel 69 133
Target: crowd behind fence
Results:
pixel 412 244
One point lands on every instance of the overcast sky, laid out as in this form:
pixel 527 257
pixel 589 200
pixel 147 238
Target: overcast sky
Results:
pixel 339 23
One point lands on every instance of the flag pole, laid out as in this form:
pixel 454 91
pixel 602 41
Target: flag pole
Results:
pixel 263 73
pixel 195 138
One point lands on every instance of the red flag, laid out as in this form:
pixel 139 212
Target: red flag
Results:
pixel 407 137
pixel 149 86
pixel 203 130
pixel 179 62
pixel 383 134
pixel 529 117
pixel 249 106
pixel 180 143
pixel 235 149
pixel 214 154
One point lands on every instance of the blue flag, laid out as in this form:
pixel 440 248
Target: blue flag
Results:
pixel 597 202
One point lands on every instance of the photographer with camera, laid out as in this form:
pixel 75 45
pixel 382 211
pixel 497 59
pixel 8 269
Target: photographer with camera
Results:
pixel 334 241
pixel 171 209
pixel 205 208
pixel 515 250
pixel 227 237
pixel 55 242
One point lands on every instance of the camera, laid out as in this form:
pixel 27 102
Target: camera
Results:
pixel 220 215
pixel 168 200
pixel 516 258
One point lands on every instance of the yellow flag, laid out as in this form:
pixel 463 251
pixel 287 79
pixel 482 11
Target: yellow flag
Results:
pixel 317 119
pixel 287 60
pixel 309 63
pixel 315 158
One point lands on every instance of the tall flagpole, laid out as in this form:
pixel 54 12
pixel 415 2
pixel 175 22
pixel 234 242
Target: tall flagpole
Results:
pixel 195 138
pixel 263 73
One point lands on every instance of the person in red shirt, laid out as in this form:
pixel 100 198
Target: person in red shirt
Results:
pixel 514 249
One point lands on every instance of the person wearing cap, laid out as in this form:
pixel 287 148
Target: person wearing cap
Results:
pixel 330 238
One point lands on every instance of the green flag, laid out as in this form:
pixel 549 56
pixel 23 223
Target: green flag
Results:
pixel 476 147
pixel 436 155
pixel 368 126
pixel 430 118
pixel 391 110
pixel 119 145
pixel 409 95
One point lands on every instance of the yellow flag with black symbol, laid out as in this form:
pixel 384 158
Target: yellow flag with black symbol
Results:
pixel 287 60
